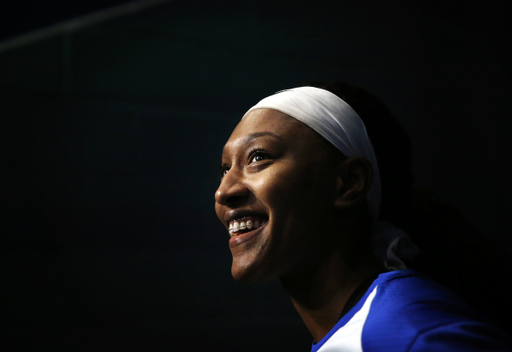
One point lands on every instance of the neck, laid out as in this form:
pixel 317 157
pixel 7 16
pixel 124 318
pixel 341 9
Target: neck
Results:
pixel 319 293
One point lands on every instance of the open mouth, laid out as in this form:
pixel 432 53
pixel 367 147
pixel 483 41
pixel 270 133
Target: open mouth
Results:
pixel 245 224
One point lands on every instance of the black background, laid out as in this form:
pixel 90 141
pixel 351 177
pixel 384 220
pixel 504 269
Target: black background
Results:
pixel 111 135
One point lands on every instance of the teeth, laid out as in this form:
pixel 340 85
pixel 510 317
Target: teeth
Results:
pixel 247 224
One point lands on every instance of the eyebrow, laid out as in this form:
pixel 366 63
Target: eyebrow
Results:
pixel 255 135
pixel 250 137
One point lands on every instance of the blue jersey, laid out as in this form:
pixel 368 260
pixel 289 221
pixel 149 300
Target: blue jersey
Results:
pixel 405 311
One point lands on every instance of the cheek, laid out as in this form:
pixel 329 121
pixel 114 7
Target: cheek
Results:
pixel 289 202
pixel 295 189
pixel 279 193
pixel 311 198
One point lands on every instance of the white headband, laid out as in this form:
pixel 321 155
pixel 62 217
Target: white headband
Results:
pixel 333 119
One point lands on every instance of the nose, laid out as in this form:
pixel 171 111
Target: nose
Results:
pixel 232 190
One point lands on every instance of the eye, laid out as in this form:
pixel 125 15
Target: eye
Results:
pixel 258 155
pixel 223 170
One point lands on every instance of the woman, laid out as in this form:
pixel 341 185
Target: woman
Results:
pixel 300 197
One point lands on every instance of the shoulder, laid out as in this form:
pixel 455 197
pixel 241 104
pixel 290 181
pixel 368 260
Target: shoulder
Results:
pixel 411 312
pixel 404 311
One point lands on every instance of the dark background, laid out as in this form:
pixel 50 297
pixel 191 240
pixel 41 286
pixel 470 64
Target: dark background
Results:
pixel 111 135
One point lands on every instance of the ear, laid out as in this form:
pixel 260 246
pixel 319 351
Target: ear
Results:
pixel 355 176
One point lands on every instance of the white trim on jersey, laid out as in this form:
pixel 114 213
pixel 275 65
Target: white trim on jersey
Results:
pixel 348 338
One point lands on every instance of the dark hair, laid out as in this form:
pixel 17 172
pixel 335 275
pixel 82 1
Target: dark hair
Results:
pixel 453 251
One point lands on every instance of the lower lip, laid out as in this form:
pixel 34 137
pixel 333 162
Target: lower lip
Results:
pixel 236 240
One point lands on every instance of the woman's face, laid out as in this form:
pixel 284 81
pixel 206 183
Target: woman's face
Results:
pixel 277 195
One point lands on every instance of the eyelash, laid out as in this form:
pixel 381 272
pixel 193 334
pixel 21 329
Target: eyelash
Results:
pixel 257 152
pixel 223 169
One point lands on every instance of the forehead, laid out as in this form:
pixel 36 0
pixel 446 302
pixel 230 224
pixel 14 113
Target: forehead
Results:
pixel 262 122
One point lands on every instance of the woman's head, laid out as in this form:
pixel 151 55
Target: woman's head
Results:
pixel 306 196
pixel 334 120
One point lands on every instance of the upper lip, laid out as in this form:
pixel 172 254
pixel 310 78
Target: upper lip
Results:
pixel 240 213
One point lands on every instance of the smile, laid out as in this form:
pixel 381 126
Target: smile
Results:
pixel 244 225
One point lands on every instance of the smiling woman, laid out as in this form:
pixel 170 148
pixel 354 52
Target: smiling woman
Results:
pixel 284 186
pixel 300 197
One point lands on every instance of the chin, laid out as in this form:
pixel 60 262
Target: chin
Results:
pixel 255 271
pixel 243 275
pixel 249 274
